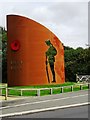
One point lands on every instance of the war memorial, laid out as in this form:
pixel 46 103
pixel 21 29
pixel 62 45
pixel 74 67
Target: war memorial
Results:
pixel 35 55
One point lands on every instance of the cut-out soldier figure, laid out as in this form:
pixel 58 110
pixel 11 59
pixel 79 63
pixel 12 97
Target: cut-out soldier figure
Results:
pixel 50 58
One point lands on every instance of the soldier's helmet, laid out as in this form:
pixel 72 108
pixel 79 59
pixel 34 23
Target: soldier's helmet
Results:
pixel 48 42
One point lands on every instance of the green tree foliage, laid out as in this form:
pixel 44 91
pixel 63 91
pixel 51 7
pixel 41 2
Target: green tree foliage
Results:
pixel 4 58
pixel 0 54
pixel 77 61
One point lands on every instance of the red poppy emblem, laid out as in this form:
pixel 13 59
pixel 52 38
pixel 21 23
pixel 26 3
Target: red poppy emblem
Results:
pixel 15 45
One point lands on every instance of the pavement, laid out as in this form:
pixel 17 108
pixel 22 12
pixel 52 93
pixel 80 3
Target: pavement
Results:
pixel 2 98
pixel 11 100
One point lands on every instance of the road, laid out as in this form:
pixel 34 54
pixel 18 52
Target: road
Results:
pixel 44 103
pixel 73 112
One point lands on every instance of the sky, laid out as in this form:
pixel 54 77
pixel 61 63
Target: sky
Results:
pixel 67 20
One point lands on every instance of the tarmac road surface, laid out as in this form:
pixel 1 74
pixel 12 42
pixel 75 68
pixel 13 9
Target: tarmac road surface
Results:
pixel 72 112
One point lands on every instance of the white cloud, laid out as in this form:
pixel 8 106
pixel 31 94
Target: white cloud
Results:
pixel 68 20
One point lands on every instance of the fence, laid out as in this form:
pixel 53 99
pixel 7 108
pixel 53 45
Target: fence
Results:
pixel 38 91
pixel 83 78
pixel 6 93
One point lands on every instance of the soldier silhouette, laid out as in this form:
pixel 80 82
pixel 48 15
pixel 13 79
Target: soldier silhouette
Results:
pixel 50 58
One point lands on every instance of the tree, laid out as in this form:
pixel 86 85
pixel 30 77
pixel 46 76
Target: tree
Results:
pixel 77 61
pixel 4 58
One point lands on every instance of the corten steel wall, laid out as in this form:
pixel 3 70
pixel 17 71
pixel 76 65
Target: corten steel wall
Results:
pixel 26 66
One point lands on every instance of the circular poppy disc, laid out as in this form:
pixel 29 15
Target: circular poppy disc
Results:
pixel 15 45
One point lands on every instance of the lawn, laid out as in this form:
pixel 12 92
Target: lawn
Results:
pixel 45 86
pixel 45 92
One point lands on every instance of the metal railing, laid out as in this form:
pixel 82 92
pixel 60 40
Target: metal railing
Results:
pixel 6 93
pixel 38 90
pixel 82 78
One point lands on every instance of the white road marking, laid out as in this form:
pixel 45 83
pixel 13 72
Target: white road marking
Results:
pixel 41 110
pixel 43 101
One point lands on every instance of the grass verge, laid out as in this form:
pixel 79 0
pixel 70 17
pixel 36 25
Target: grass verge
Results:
pixel 45 92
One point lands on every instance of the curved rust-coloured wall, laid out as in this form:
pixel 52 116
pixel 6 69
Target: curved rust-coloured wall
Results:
pixel 26 53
